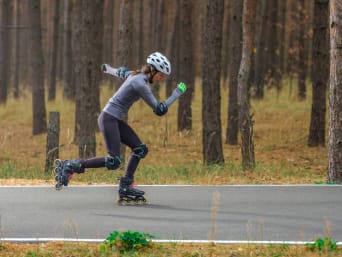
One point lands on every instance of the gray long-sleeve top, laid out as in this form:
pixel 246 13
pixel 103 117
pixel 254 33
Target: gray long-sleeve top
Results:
pixel 134 88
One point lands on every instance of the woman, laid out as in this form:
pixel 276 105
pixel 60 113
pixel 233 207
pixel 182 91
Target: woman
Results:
pixel 115 130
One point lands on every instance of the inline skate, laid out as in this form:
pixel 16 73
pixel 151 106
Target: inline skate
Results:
pixel 128 195
pixel 64 170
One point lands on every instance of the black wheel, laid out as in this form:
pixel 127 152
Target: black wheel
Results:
pixel 58 186
pixel 57 170
pixel 142 201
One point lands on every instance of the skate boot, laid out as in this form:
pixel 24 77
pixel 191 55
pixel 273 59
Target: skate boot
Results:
pixel 128 194
pixel 65 170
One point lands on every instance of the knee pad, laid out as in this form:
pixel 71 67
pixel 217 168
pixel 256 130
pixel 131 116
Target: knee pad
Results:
pixel 140 151
pixel 112 163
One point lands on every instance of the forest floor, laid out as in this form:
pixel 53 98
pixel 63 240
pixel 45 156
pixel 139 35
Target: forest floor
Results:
pixel 281 127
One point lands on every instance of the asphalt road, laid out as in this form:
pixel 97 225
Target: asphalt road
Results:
pixel 262 213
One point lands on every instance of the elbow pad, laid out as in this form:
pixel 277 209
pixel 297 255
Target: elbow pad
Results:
pixel 161 109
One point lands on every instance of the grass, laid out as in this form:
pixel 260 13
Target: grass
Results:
pixel 282 155
pixel 158 250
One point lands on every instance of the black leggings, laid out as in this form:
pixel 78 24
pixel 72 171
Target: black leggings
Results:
pixel 114 132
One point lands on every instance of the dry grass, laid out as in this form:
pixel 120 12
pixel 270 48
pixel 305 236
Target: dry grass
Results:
pixel 281 130
pixel 158 250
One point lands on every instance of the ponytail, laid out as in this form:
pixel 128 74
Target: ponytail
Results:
pixel 146 69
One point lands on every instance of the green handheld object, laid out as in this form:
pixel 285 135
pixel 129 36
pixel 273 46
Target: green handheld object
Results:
pixel 182 87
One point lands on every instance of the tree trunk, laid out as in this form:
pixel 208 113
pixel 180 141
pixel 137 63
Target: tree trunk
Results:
pixel 52 141
pixel 273 44
pixel 320 72
pixel 335 95
pixel 124 45
pixel 17 60
pixel 4 48
pixel 293 42
pixel 301 51
pixel 226 41
pixel 53 52
pixel 108 38
pixel 186 70
pixel 140 26
pixel 245 120
pixel 124 55
pixel 260 64
pixel 280 45
pixel 235 60
pixel 37 69
pixel 155 44
pixel 67 69
pixel 173 52
pixel 211 99
pixel 88 92
pixel 76 63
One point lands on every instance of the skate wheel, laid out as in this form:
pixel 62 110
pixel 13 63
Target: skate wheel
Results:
pixel 57 170
pixel 58 186
pixel 58 162
pixel 142 201
pixel 120 202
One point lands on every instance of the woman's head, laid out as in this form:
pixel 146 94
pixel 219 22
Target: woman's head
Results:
pixel 159 62
pixel 157 68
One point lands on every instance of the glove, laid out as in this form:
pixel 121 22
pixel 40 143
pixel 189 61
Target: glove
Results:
pixel 122 72
pixel 104 67
pixel 182 87
pixel 161 109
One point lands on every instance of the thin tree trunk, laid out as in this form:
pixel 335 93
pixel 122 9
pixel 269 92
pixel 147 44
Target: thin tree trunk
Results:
pixel 186 69
pixel 280 45
pixel 320 72
pixel 125 34
pixel 235 60
pixel 259 67
pixel 211 99
pixel 76 63
pixel 335 104
pixel 68 85
pixel 4 49
pixel 173 52
pixel 90 59
pixel 245 119
pixel 108 38
pixel 53 52
pixel 37 69
pixel 301 51
pixel 17 52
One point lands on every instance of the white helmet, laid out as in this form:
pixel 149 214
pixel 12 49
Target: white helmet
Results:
pixel 160 62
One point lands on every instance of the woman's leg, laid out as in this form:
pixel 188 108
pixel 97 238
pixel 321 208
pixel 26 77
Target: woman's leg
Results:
pixel 109 127
pixel 139 150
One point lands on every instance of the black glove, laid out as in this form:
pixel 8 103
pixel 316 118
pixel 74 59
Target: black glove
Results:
pixel 161 109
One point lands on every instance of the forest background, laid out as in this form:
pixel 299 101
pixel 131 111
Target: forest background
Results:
pixel 53 50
